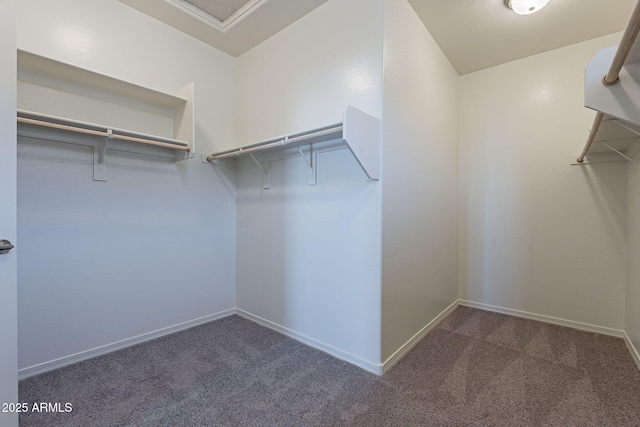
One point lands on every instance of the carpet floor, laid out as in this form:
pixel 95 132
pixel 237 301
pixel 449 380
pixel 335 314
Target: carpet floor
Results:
pixel 476 368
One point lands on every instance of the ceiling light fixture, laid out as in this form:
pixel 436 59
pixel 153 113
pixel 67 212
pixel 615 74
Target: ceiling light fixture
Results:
pixel 525 7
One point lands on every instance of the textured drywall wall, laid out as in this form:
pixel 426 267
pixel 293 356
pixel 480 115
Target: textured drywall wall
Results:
pixel 152 247
pixel 308 256
pixel 305 76
pixel 536 234
pixel 419 178
pixel 632 295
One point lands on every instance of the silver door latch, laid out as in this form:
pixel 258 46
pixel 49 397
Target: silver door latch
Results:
pixel 5 246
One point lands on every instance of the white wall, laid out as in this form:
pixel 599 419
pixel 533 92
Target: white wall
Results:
pixel 419 178
pixel 632 296
pixel 155 245
pixel 305 76
pixel 308 256
pixel 536 234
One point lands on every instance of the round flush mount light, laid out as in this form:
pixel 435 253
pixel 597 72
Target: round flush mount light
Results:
pixel 525 7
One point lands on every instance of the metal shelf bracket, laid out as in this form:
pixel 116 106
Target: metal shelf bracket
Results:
pixel 266 181
pixel 312 178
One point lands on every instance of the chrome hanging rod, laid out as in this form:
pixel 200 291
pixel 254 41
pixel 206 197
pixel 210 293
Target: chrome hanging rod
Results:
pixel 279 143
pixel 628 38
pixel 108 133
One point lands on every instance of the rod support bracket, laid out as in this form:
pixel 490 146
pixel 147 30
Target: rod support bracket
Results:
pixel 99 160
pixel 312 178
pixel 266 180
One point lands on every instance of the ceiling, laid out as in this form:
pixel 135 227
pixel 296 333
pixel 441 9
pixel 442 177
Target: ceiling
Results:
pixel 477 34
pixel 264 20
pixel 473 34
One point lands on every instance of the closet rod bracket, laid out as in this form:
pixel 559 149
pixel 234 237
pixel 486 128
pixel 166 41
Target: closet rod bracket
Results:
pixel 99 160
pixel 309 161
pixel 266 181
pixel 102 146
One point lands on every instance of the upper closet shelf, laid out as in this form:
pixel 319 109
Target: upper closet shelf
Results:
pixel 66 103
pixel 612 88
pixel 610 135
pixel 359 131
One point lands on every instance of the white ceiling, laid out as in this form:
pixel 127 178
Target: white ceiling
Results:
pixel 265 20
pixel 477 34
pixel 474 34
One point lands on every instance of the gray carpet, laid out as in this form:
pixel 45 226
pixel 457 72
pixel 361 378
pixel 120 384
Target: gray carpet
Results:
pixel 475 369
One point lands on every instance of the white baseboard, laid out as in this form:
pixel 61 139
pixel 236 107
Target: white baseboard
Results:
pixel 632 349
pixel 635 354
pixel 108 348
pixel 312 342
pixel 547 319
pixel 375 368
pixel 406 347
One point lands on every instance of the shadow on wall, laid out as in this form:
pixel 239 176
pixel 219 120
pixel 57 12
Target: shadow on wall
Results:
pixel 609 196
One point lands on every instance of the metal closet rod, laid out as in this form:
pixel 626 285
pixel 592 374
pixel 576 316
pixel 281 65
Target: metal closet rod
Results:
pixel 280 143
pixel 105 134
pixel 628 38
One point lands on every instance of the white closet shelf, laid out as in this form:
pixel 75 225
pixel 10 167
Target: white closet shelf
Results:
pixel 359 131
pixel 66 103
pixel 93 79
pixel 612 89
